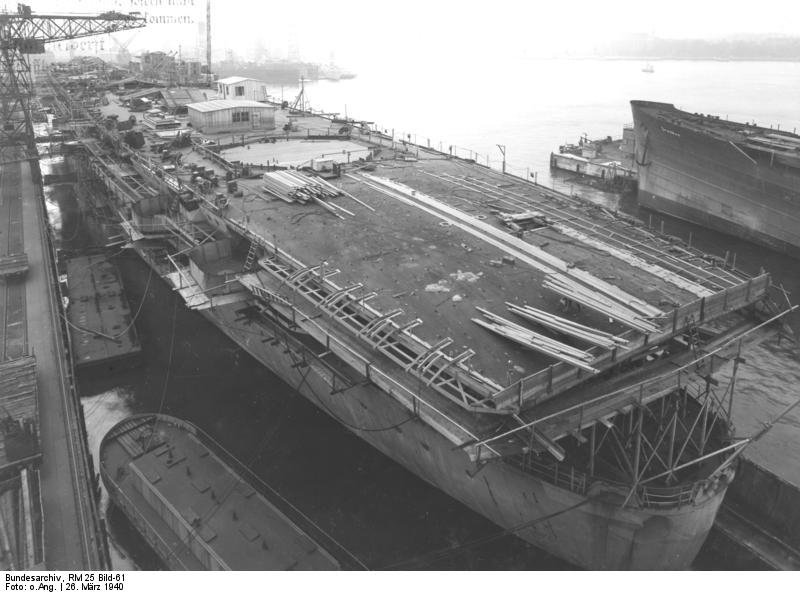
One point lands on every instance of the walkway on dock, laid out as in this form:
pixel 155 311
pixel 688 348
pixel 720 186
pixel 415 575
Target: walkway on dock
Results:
pixel 29 316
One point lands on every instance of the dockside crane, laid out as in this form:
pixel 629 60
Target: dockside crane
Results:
pixel 23 33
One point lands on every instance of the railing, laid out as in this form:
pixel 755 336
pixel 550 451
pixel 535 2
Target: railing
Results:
pixel 164 550
pixel 439 420
pixel 559 377
pixel 638 393
pixel 567 477
pixel 213 156
pixel 447 375
pixel 555 473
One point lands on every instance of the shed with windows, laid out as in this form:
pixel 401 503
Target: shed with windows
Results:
pixel 240 88
pixel 231 116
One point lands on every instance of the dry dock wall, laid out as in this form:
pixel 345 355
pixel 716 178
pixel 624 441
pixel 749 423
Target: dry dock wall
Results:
pixel 769 500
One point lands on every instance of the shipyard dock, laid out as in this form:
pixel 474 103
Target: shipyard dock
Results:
pixel 59 527
pixel 395 286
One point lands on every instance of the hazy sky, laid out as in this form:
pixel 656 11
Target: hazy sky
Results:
pixel 360 31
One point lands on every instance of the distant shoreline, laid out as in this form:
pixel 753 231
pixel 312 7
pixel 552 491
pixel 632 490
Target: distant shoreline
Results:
pixel 700 59
pixel 666 59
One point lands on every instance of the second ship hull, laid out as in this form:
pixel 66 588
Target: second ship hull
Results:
pixel 699 177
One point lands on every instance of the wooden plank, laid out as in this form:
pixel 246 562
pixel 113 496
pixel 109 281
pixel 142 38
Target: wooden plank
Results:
pixel 539 386
pixel 536 346
pixel 534 256
pixel 565 326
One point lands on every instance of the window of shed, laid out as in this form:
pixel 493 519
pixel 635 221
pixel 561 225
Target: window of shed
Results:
pixel 240 116
pixel 239 91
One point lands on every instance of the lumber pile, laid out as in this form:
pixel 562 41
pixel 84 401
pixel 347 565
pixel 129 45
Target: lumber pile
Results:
pixel 295 187
pixel 535 341
pixel 567 327
pixel 631 314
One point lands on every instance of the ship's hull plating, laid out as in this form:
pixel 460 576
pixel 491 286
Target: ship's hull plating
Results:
pixel 703 179
pixel 147 530
pixel 579 529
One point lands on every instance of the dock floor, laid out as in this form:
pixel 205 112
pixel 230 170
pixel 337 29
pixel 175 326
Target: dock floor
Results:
pixel 29 324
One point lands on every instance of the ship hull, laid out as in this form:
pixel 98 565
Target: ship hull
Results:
pixel 704 179
pixel 584 530
pixel 145 528
pixel 591 529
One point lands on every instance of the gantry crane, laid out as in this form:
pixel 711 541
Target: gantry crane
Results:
pixel 23 33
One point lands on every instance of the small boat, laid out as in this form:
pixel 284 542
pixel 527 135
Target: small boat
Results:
pixel 648 68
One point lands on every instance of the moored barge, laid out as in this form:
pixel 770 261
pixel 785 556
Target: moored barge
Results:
pixel 190 501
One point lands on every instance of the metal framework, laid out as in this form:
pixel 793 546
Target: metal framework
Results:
pixel 448 375
pixel 23 33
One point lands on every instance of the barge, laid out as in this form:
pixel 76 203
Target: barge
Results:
pixel 192 502
pixel 737 178
pixel 607 160
pixel 99 317
pixel 551 365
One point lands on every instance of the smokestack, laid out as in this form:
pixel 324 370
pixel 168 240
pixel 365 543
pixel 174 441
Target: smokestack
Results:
pixel 208 39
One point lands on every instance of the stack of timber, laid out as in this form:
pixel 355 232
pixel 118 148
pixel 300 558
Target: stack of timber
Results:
pixel 524 220
pixel 567 327
pixel 534 341
pixel 294 187
pixel 632 313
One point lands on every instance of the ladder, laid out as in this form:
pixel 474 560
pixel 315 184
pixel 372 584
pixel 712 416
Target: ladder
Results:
pixel 249 262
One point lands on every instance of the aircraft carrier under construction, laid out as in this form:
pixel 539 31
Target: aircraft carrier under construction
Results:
pixel 737 178
pixel 550 364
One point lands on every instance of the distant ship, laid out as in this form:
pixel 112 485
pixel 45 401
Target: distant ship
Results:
pixel 271 71
pixel 334 72
pixel 737 178
pixel 648 68
pixel 282 71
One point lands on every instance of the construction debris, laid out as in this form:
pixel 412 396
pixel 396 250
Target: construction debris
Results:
pixel 295 187
pixel 602 303
pixel 534 341
pixel 567 327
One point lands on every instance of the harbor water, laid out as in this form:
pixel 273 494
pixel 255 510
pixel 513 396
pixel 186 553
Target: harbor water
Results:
pixel 385 515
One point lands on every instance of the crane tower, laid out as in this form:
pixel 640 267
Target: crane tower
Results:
pixel 23 33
